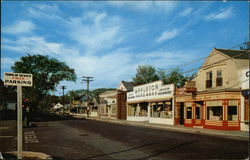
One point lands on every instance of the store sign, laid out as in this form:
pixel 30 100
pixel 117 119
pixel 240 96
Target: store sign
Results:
pixel 17 79
pixel 244 78
pixel 150 91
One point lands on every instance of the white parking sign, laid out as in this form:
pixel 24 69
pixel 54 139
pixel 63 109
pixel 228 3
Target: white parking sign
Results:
pixel 17 79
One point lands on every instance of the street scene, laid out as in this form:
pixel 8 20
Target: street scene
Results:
pixel 124 80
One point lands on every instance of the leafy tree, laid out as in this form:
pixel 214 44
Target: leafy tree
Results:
pixel 47 73
pixel 175 76
pixel 145 74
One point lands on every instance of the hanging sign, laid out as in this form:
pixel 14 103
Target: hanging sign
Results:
pixel 17 79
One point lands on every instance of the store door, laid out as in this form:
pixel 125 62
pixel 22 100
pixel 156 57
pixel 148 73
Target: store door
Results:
pixel 181 113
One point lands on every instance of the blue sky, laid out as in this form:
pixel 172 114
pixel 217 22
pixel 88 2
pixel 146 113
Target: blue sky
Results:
pixel 108 40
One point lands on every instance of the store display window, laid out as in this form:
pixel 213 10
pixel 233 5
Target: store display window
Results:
pixel 232 113
pixel 189 112
pixel 161 110
pixel 215 113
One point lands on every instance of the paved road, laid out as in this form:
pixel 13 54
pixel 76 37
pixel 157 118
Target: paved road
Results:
pixel 89 139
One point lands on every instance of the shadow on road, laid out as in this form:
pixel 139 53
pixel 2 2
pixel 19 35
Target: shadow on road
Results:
pixel 165 151
pixel 126 150
pixel 45 117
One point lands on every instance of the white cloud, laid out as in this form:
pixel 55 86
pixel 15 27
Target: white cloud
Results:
pixel 145 6
pixel 20 27
pixel 168 35
pixel 186 12
pixel 226 13
pixel 37 45
pixel 95 31
pixel 7 62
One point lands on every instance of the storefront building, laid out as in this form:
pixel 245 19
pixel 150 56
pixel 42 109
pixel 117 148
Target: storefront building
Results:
pixel 214 99
pixel 112 104
pixel 152 102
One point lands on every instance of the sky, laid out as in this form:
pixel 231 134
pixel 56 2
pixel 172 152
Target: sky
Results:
pixel 108 40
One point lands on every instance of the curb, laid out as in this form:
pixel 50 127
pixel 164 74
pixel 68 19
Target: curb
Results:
pixel 31 155
pixel 216 134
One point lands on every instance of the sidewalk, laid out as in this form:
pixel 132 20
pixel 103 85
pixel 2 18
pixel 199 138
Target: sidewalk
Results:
pixel 239 135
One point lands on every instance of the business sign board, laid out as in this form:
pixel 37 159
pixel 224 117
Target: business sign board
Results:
pixel 18 79
pixel 244 78
pixel 151 91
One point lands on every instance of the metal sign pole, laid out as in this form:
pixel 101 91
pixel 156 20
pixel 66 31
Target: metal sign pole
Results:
pixel 19 123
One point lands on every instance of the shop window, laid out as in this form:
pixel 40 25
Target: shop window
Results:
pixel 131 109
pixel 232 113
pixel 214 113
pixel 209 79
pixel 140 110
pixel 113 109
pixel 219 78
pixel 197 113
pixel 163 110
pixel 189 112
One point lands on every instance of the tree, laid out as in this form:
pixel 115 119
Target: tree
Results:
pixel 175 76
pixel 145 74
pixel 47 73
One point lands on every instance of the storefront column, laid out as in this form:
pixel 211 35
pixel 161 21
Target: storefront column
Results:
pixel 225 119
pixel 224 104
pixel 242 106
pixel 203 115
pixel 149 110
pixel 193 113
pixel 173 111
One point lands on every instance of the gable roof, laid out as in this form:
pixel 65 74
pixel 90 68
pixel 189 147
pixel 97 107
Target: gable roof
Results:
pixel 128 85
pixel 236 54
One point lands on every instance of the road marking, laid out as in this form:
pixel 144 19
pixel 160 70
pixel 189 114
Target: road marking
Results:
pixel 30 137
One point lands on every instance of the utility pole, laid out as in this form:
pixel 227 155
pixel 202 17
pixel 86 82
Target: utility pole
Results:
pixel 63 88
pixel 87 79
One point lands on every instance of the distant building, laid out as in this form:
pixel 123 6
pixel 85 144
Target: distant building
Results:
pixel 112 104
pixel 125 86
pixel 218 96
pixel 108 104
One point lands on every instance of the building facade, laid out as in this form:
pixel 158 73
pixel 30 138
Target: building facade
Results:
pixel 112 104
pixel 152 102
pixel 214 99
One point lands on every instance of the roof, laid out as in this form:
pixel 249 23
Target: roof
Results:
pixel 237 54
pixel 128 85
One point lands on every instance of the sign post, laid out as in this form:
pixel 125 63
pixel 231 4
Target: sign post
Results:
pixel 19 123
pixel 19 80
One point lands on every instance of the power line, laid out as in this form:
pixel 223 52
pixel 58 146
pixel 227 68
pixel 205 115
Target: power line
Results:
pixel 87 79
pixel 63 88
pixel 199 59
pixel 197 25
pixel 215 63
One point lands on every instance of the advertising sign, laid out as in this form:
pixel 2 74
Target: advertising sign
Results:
pixel 150 91
pixel 17 79
pixel 244 78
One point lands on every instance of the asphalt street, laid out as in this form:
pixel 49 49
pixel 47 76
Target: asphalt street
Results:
pixel 89 139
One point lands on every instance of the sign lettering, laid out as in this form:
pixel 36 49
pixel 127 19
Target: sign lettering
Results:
pixel 17 79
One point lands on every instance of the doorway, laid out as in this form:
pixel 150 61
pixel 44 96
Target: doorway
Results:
pixel 181 113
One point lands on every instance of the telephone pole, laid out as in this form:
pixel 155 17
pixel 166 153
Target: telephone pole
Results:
pixel 87 79
pixel 63 88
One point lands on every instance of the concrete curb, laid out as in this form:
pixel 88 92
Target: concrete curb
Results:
pixel 31 155
pixel 226 134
